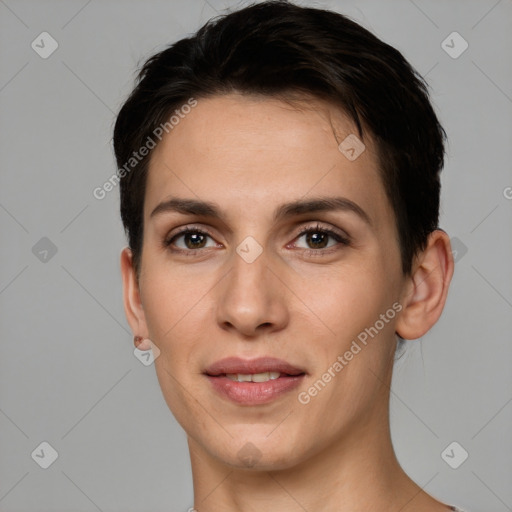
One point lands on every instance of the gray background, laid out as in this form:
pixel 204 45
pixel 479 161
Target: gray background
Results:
pixel 68 375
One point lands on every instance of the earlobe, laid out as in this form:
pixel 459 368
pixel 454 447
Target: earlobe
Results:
pixel 131 295
pixel 427 288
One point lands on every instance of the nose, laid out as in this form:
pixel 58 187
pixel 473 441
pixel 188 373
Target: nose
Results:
pixel 252 298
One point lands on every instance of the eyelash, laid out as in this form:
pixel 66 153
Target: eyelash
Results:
pixel 343 240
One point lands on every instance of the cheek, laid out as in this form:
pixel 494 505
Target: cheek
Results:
pixel 355 357
pixel 347 323
pixel 173 316
pixel 168 298
pixel 173 325
pixel 345 301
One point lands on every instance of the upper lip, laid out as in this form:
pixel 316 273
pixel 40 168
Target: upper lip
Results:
pixel 233 365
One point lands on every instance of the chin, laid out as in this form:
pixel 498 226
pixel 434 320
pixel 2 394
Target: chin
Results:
pixel 251 458
pixel 257 451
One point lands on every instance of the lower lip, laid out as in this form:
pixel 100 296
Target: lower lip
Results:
pixel 254 393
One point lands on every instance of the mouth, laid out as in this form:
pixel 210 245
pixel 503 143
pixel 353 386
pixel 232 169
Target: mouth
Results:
pixel 253 382
pixel 255 377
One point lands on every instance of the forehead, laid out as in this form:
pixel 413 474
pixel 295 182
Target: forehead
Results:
pixel 249 152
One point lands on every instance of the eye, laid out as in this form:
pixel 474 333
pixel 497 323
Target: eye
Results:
pixel 192 239
pixel 317 239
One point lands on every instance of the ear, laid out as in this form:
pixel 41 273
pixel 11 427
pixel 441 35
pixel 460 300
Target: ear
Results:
pixel 131 296
pixel 426 289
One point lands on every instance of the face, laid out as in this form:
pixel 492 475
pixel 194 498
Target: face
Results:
pixel 309 292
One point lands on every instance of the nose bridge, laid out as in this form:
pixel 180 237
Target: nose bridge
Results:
pixel 251 295
pixel 248 278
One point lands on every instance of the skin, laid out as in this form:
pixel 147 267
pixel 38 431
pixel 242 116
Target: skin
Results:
pixel 249 155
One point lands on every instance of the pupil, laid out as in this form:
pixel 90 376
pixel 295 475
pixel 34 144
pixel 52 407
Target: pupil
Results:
pixel 313 238
pixel 193 237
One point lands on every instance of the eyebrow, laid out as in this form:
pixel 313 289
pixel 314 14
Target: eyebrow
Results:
pixel 294 208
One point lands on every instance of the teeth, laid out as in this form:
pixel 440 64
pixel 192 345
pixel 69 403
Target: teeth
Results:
pixel 253 377
pixel 263 377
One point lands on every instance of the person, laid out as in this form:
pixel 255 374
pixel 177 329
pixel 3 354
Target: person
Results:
pixel 279 188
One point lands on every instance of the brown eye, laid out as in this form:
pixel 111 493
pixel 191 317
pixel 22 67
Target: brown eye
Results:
pixel 194 240
pixel 317 238
pixel 188 240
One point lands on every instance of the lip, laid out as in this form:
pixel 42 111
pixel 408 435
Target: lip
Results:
pixel 253 393
pixel 246 366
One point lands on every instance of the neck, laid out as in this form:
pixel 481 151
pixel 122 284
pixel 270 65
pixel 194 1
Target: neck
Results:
pixel 357 472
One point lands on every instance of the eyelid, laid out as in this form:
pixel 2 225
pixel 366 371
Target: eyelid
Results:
pixel 186 229
pixel 316 225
